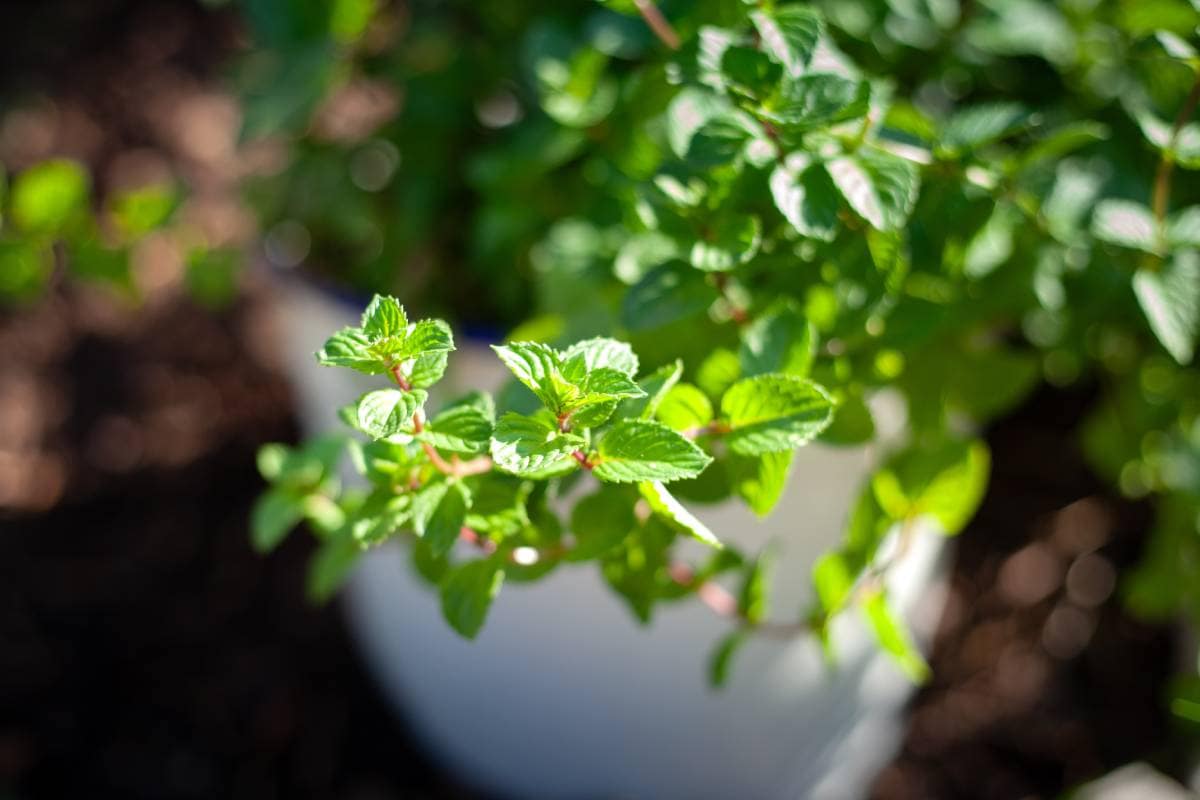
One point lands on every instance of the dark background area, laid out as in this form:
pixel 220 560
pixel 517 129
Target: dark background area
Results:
pixel 146 651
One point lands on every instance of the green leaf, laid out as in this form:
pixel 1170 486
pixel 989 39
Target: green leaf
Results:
pixel 685 407
pixel 643 450
pixel 880 187
pixel 1183 228
pixel 441 532
pixel 721 661
pixel 604 352
pixel 718 371
pixel 833 579
pixel 687 113
pixel 467 594
pixel 427 369
pixel 532 446
pixel 666 294
pixel 498 505
pixel 780 340
pixel 47 196
pixel 1127 224
pixel 946 481
pixel 772 413
pixel 760 481
pixel 459 429
pixel 329 567
pixel 384 317
pixel 387 412
pixel 816 100
pixel 720 139
pixel 789 35
pixel 973 127
pixel 603 384
pixel 655 385
pixel 732 240
pixel 1170 299
pixel 350 347
pixel 663 503
pixel 274 515
pixel 754 600
pixel 380 516
pixel 852 423
pixel 424 502
pixel 538 367
pixel 601 521
pixel 892 635
pixel 807 197
pixel 427 336
pixel 992 245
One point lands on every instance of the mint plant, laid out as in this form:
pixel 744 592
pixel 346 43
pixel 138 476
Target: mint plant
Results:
pixel 752 209
pixel 499 480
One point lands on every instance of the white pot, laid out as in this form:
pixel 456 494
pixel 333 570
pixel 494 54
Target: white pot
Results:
pixel 565 695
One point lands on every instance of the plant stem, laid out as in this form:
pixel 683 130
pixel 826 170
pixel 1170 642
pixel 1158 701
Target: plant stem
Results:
pixel 716 427
pixel 1162 179
pixel 455 468
pixel 658 23
pixel 582 458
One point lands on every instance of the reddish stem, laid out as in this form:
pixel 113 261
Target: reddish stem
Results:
pixel 658 23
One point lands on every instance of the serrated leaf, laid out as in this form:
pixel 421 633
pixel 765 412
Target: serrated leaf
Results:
pixel 603 383
pixel 807 197
pixel 773 413
pixel 427 336
pixel 459 429
pixel 1170 299
pixel 384 317
pixel 1126 224
pixel 444 525
pixel 662 502
pixel 274 515
pixel 721 661
pixel 789 35
pixel 720 139
pixel 387 412
pixel 975 126
pixel 538 367
pixel 427 369
pixel 760 480
pixel 685 407
pixel 601 521
pixel 644 450
pixel 732 240
pixel 892 635
pixel 467 593
pixel 780 340
pixel 532 446
pixel 604 352
pixel 816 100
pixel 350 347
pixel 880 187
